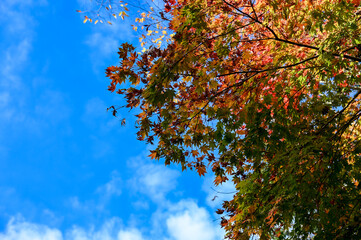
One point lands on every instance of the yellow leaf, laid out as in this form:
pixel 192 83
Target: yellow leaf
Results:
pixel 96 22
pixel 246 55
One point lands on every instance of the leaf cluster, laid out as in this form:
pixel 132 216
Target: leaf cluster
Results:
pixel 263 97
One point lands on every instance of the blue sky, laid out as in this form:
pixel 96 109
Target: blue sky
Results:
pixel 69 170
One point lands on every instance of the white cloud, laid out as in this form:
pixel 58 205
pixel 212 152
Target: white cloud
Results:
pixel 105 41
pixel 168 220
pixel 182 221
pixel 16 18
pixel 104 194
pixel 77 205
pixel 155 181
pixel 16 100
pixel 15 56
pixel 111 188
pixel 13 96
pixel 188 221
pixel 18 26
pixel 108 231
pixel 18 229
pixel 185 220
pixel 132 234
pixel 112 229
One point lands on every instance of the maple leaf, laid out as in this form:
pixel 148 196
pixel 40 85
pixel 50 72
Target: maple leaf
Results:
pixel 201 170
pixel 220 211
pixel 153 155
pixel 167 8
pixel 194 153
pixel 269 92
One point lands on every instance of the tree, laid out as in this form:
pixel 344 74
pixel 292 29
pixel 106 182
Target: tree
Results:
pixel 263 93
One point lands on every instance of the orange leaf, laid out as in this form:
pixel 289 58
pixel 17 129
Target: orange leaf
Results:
pixel 201 170
pixel 195 153
pixel 153 155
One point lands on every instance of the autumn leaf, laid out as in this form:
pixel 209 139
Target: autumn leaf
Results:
pixel 201 170
pixel 220 211
pixel 194 153
pixel 267 94
pixel 153 155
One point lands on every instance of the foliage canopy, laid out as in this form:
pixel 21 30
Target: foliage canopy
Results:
pixel 265 94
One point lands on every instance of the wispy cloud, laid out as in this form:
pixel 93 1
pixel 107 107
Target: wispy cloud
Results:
pixel 17 104
pixel 152 180
pixel 103 194
pixel 18 228
pixel 15 57
pixel 112 229
pixel 111 188
pixel 105 41
pixel 17 37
